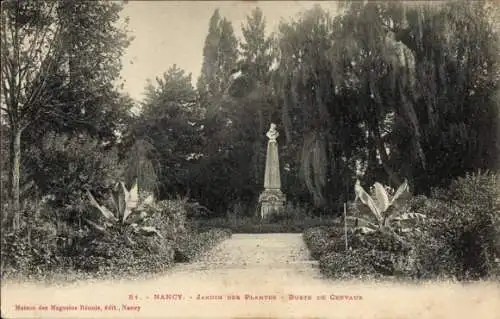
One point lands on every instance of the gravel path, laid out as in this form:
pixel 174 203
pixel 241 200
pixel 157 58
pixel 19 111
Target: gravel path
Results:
pixel 263 257
pixel 249 276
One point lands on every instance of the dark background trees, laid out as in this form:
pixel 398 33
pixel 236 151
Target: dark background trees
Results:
pixel 383 92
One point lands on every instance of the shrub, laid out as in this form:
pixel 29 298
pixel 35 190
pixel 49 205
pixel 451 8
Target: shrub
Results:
pixel 32 248
pixel 365 263
pixel 323 240
pixel 434 253
pixel 457 239
pixel 476 201
pixel 376 238
pixel 368 256
pixel 468 243
pixel 278 217
pixel 460 237
pixel 169 217
pixel 111 253
pixel 128 250
pixel 44 246
pixel 379 240
pixel 382 253
pixel 65 166
pixel 348 265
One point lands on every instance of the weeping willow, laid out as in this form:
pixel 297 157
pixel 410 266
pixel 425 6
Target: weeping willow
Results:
pixel 359 52
pixel 377 58
pixel 141 167
pixel 305 116
pixel 314 165
pixel 416 64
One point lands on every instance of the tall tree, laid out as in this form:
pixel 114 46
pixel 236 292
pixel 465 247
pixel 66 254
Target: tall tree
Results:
pixel 91 64
pixel 220 58
pixel 31 50
pixel 323 127
pixel 52 49
pixel 421 69
pixel 220 54
pixel 457 78
pixel 377 63
pixel 170 126
pixel 253 106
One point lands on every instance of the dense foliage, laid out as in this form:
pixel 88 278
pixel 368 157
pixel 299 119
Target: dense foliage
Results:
pixel 46 247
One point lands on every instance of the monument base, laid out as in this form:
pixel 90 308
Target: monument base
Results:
pixel 272 201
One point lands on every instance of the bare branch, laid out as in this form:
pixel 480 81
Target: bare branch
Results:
pixel 35 98
pixel 5 41
pixel 37 39
pixel 6 79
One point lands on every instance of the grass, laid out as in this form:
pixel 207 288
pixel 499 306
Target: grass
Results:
pixel 244 225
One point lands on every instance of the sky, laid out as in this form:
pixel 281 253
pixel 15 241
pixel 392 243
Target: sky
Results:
pixel 173 32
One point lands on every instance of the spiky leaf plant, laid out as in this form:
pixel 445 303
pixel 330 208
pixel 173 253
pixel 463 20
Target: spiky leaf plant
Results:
pixel 128 213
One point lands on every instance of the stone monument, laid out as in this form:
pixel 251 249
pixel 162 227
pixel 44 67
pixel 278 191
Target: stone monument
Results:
pixel 272 200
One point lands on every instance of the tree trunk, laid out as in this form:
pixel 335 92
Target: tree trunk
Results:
pixel 15 163
pixel 384 157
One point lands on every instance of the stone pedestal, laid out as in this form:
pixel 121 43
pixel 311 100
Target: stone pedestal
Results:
pixel 272 200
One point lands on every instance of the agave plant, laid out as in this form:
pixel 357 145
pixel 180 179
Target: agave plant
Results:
pixel 127 213
pixel 382 212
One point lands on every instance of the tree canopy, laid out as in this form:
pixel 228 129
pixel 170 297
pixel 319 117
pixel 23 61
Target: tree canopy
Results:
pixel 380 91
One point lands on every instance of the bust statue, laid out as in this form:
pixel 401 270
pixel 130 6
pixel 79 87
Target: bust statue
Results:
pixel 272 134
